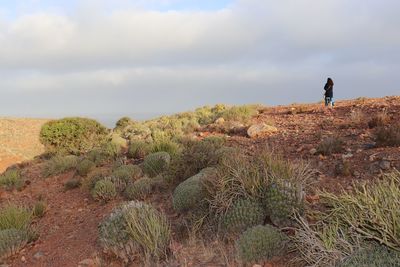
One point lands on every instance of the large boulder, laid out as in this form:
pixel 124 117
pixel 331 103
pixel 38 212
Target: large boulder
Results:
pixel 261 129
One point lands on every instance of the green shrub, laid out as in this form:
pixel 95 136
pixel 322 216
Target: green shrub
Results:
pixel 72 184
pixel 389 136
pixel 122 123
pixel 165 145
pixel 240 113
pixel 104 190
pixel 39 209
pixel 60 164
pixel 156 163
pixel 260 243
pixel 85 166
pixel 373 256
pixel 11 179
pixel 191 193
pixel 111 150
pixel 15 217
pixel 139 188
pixel 243 214
pixel 134 229
pixel 95 176
pixel 195 156
pixel 11 242
pixel 123 175
pixel 138 149
pixel 330 145
pixel 72 135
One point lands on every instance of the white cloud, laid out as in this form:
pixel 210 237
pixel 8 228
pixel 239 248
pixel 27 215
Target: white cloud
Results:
pixel 264 47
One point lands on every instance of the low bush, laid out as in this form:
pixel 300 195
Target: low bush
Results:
pixel 243 214
pixel 373 256
pixel 15 217
pixel 39 209
pixel 138 149
pixel 122 123
pixel 260 243
pixel 93 177
pixel 72 135
pixel 139 229
pixel 156 163
pixel 60 164
pixel 72 184
pixel 85 166
pixel 166 145
pixel 11 179
pixel 196 155
pixel 379 120
pixel 139 188
pixel 104 190
pixel 124 175
pixel 240 113
pixel 389 136
pixel 330 145
pixel 11 242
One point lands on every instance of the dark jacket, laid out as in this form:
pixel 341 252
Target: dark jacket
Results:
pixel 328 90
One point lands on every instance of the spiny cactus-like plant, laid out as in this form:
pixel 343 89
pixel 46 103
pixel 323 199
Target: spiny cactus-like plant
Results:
pixel 261 242
pixel 191 193
pixel 85 166
pixel 133 229
pixel 281 200
pixel 373 256
pixel 156 163
pixel 12 241
pixel 243 214
pixel 139 188
pixel 104 190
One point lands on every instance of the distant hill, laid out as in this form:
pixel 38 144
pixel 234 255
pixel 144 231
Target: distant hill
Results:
pixel 19 140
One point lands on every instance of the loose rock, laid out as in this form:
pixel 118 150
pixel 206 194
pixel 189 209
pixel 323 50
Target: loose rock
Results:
pixel 260 130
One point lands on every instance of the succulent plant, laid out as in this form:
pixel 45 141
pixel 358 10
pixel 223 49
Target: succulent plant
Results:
pixel 243 214
pixel 281 200
pixel 139 188
pixel 85 166
pixel 190 194
pixel 104 190
pixel 133 229
pixel 260 242
pixel 12 241
pixel 156 163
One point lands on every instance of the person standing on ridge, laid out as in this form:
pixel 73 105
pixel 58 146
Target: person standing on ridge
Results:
pixel 329 93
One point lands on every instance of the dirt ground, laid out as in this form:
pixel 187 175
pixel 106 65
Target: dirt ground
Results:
pixel 68 231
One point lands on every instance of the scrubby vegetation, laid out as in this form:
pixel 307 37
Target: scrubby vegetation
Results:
pixel 72 135
pixel 330 145
pixel 156 163
pixel 11 179
pixel 389 136
pixel 60 164
pixel 134 229
pixel 104 190
pixel 85 166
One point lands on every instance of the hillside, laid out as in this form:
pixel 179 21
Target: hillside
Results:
pixel 19 140
pixel 68 232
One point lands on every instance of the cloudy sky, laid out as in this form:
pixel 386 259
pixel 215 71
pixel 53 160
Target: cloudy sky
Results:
pixel 82 57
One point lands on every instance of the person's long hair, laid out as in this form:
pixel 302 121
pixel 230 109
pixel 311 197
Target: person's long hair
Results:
pixel 329 81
